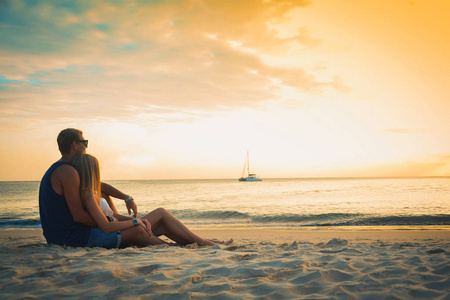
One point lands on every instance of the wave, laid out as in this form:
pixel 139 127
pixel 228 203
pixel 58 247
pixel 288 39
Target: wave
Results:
pixel 287 220
pixel 214 214
pixel 405 220
pixel 295 218
pixel 330 219
pixel 275 218
pixel 28 223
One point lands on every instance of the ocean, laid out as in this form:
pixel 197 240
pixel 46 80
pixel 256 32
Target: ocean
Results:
pixel 285 203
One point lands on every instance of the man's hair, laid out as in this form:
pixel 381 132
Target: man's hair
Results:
pixel 66 137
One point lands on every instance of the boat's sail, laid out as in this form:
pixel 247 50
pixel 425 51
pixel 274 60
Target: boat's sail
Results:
pixel 249 177
pixel 245 168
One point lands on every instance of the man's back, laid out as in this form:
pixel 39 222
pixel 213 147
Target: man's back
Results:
pixel 57 221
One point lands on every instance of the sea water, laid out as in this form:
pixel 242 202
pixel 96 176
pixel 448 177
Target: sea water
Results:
pixel 289 203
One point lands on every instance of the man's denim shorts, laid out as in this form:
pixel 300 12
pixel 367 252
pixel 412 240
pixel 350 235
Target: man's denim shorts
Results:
pixel 100 239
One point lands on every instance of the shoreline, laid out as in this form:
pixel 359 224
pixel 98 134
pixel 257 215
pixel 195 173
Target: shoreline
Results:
pixel 286 235
pixel 278 235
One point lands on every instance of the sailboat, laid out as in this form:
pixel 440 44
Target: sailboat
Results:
pixel 249 177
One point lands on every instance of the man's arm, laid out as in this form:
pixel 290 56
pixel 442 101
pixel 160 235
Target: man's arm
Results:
pixel 113 192
pixel 69 180
pixel 110 202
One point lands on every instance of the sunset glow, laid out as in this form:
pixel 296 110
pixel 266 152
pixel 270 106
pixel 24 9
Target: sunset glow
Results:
pixel 182 89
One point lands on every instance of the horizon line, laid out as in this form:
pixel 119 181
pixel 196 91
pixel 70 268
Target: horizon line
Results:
pixel 270 178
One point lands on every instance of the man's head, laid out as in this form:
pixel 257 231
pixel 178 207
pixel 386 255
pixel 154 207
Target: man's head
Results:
pixel 71 140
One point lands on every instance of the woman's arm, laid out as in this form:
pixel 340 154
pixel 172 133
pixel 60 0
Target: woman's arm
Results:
pixel 99 218
pixel 120 217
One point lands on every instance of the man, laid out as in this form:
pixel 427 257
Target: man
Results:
pixel 64 220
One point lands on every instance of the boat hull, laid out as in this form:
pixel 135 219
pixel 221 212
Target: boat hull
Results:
pixel 250 179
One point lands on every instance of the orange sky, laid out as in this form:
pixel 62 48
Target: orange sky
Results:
pixel 182 89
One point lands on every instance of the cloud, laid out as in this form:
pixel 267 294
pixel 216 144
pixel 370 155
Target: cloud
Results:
pixel 403 131
pixel 96 60
pixel 142 161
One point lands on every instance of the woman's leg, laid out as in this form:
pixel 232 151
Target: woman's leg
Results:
pixel 164 223
pixel 137 236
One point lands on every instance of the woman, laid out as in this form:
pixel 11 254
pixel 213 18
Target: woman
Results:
pixel 158 222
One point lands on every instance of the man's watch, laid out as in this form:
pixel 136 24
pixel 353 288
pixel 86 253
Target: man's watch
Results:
pixel 135 222
pixel 129 199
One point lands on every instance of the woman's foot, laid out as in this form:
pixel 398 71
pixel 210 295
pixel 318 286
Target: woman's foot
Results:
pixel 205 242
pixel 221 242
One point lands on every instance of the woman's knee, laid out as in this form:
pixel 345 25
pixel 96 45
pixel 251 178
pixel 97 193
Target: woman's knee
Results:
pixel 141 233
pixel 161 211
pixel 133 236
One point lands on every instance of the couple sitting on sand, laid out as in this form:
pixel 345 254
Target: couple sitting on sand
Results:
pixel 71 197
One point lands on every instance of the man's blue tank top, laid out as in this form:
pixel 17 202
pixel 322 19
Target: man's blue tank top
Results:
pixel 56 219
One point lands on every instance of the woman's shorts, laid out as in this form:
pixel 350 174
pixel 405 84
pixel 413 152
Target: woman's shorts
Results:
pixel 100 239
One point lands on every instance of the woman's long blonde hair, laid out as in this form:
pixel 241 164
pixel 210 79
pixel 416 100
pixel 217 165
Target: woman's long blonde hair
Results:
pixel 88 168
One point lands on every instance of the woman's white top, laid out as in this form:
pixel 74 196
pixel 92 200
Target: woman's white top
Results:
pixel 105 208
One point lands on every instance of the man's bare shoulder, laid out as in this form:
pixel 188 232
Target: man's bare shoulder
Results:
pixel 64 176
pixel 65 172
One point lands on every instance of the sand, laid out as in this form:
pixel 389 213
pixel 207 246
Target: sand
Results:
pixel 369 263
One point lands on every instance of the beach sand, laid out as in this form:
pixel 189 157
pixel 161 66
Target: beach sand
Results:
pixel 355 263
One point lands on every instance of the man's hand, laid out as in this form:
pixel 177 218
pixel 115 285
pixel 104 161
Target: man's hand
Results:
pixel 148 226
pixel 115 193
pixel 131 206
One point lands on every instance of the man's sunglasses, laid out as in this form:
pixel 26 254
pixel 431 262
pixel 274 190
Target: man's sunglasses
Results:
pixel 83 141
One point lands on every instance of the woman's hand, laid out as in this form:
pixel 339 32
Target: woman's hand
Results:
pixel 147 226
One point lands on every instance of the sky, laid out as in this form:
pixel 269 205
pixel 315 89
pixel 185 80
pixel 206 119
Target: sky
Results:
pixel 183 89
